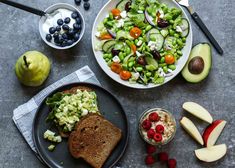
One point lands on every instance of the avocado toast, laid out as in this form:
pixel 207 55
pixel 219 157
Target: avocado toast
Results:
pixel 69 106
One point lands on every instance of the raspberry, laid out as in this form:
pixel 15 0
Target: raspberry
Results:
pixel 159 129
pixel 150 133
pixel 153 117
pixel 149 160
pixel 146 124
pixel 163 156
pixel 151 149
pixel 171 163
pixel 157 137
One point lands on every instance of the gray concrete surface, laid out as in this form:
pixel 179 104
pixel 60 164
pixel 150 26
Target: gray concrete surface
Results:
pixel 19 33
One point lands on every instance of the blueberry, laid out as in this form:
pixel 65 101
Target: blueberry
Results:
pixel 74 15
pixel 71 32
pixel 67 20
pixel 58 28
pixel 86 5
pixel 77 2
pixel 70 42
pixel 78 20
pixel 56 35
pixel 60 22
pixel 65 27
pixel 76 36
pixel 85 0
pixel 76 26
pixel 60 39
pixel 64 44
pixel 48 37
pixel 52 30
pixel 65 36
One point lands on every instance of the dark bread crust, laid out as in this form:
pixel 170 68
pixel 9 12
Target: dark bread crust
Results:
pixel 94 139
pixel 73 90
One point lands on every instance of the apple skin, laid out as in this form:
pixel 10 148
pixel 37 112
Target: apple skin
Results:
pixel 217 125
pixel 211 154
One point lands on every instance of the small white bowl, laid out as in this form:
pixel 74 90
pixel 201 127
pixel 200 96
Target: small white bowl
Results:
pixel 51 9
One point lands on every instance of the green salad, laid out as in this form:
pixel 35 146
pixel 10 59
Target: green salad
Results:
pixel 67 109
pixel 142 40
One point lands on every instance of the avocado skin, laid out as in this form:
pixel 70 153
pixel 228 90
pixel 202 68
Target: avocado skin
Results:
pixel 207 58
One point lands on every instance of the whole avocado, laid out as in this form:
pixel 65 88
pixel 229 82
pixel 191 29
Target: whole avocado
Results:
pixel 32 68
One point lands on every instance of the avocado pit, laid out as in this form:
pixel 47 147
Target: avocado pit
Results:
pixel 196 65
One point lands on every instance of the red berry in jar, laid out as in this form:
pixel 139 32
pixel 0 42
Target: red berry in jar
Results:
pixel 153 117
pixel 157 137
pixel 149 160
pixel 171 163
pixel 150 133
pixel 159 129
pixel 146 124
pixel 151 149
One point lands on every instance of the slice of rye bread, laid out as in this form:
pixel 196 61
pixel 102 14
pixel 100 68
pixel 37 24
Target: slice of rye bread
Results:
pixel 72 91
pixel 94 139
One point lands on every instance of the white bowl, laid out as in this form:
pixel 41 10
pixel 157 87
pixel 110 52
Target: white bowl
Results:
pixel 51 9
pixel 98 54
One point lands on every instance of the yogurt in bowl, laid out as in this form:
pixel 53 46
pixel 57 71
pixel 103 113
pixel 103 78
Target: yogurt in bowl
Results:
pixel 63 27
pixel 157 126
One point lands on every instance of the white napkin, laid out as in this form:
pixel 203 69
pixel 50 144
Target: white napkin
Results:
pixel 23 115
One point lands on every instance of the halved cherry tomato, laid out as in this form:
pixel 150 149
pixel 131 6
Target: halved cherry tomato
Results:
pixel 116 67
pixel 116 13
pixel 125 75
pixel 135 32
pixel 133 48
pixel 169 59
pixel 105 36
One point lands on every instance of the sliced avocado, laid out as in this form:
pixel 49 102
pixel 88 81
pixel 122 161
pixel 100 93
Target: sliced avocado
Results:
pixel 199 63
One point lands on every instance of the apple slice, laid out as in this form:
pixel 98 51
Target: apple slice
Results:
pixel 198 111
pixel 212 132
pixel 211 154
pixel 188 125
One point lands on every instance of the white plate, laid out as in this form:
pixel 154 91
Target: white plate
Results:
pixel 99 55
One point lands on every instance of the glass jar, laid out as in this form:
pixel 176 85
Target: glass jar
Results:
pixel 166 119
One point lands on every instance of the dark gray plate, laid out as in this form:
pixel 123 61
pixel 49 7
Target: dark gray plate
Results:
pixel 109 107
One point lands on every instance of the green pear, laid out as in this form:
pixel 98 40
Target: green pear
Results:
pixel 32 68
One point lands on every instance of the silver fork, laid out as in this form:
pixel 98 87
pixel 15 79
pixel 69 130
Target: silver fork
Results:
pixel 202 26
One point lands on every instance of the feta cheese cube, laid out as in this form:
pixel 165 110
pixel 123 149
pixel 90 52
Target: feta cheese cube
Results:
pixel 116 59
pixel 120 23
pixel 136 75
pixel 178 29
pixel 123 14
pixel 97 34
pixel 139 43
pixel 138 54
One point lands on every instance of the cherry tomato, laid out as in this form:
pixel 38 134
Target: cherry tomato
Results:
pixel 135 32
pixel 125 75
pixel 116 13
pixel 169 59
pixel 116 67
pixel 105 36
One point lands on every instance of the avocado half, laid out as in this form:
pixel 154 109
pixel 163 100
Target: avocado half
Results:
pixel 199 63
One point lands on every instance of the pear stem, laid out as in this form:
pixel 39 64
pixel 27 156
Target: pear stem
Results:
pixel 25 61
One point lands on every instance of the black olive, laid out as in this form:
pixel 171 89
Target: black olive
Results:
pixel 141 60
pixel 115 52
pixel 156 54
pixel 196 65
pixel 128 6
pixel 162 23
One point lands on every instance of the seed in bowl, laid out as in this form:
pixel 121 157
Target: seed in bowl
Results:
pixel 63 27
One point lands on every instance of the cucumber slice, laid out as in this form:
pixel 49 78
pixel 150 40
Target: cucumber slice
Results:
pixel 151 61
pixel 121 5
pixel 108 45
pixel 164 32
pixel 168 44
pixel 154 31
pixel 185 27
pixel 158 38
